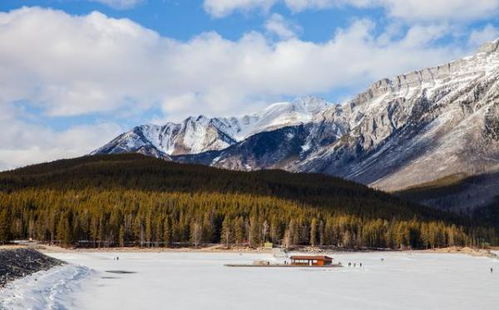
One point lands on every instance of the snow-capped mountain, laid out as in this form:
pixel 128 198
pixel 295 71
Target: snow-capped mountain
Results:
pixel 404 131
pixel 419 126
pixel 199 134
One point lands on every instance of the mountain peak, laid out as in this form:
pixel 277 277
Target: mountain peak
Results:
pixel 303 105
pixel 489 47
pixel 199 133
pixel 486 59
pixel 311 104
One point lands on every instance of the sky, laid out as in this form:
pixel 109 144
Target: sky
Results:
pixel 76 73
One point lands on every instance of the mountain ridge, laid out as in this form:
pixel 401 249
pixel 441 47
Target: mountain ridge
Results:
pixel 408 130
pixel 197 134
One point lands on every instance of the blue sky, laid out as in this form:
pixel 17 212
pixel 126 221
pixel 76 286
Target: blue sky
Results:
pixel 75 73
pixel 187 18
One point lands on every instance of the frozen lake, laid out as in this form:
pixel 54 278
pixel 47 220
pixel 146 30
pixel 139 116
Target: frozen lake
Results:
pixel 200 281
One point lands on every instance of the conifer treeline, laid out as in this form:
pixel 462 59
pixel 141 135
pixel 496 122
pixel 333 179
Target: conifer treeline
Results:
pixel 132 200
pixel 488 214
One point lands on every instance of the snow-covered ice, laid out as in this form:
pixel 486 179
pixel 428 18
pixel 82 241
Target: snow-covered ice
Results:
pixel 45 289
pixel 402 280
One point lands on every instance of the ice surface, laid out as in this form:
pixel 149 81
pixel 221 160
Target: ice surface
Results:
pixel 200 281
pixel 45 289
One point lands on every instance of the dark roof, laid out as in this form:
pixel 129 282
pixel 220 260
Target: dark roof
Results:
pixel 311 257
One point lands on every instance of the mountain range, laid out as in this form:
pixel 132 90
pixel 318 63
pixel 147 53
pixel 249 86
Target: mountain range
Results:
pixel 197 134
pixel 400 134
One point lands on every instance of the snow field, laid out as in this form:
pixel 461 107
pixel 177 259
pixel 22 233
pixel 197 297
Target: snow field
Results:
pixel 387 280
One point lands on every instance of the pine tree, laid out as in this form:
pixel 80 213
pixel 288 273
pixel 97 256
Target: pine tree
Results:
pixel 290 235
pixel 254 233
pixel 5 221
pixel 274 231
pixel 313 232
pixel 226 236
pixel 239 230
pixel 167 233
pixel 265 231
pixel 196 233
pixel 64 231
pixel 121 237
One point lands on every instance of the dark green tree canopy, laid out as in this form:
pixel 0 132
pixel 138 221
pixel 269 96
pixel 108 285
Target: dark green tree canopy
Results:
pixel 131 199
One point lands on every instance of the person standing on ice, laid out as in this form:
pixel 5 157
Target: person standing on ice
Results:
pixel 491 270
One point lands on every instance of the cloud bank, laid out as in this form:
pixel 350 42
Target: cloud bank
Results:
pixel 23 142
pixel 64 65
pixel 410 10
pixel 93 63
pixel 120 4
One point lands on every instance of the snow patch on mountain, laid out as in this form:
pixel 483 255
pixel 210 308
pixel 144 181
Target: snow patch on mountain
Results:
pixel 199 134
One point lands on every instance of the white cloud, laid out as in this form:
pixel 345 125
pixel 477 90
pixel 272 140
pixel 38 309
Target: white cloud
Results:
pixel 301 5
pixel 410 10
pixel 281 27
pixel 120 4
pixel 94 63
pixel 80 64
pixel 440 9
pixel 27 143
pixel 221 8
pixel 487 33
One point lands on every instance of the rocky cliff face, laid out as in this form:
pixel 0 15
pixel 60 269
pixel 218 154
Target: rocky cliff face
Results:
pixel 411 129
pixel 420 126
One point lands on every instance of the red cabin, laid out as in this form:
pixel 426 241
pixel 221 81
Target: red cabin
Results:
pixel 317 260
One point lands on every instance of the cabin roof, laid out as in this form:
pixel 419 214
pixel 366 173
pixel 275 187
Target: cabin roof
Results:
pixel 311 257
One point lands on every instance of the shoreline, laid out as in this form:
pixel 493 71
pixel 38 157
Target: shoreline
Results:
pixel 19 262
pixel 218 248
pixel 465 250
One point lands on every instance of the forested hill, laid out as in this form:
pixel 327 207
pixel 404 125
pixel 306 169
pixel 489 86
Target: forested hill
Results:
pixel 131 199
pixel 138 172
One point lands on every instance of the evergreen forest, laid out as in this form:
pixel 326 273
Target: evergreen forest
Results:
pixel 134 200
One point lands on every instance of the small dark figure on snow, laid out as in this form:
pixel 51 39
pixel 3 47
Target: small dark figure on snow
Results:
pixel 349 264
pixel 491 270
pixel 360 264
